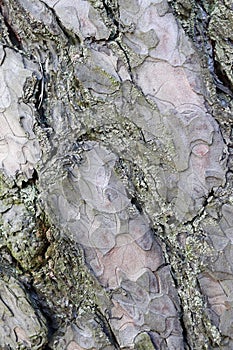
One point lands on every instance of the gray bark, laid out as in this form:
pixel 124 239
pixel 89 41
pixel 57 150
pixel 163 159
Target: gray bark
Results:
pixel 116 175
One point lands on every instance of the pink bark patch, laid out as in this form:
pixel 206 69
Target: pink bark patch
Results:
pixel 200 150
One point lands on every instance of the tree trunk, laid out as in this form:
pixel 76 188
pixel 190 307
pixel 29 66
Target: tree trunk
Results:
pixel 116 174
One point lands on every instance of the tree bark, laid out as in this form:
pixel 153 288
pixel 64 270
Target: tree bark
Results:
pixel 116 174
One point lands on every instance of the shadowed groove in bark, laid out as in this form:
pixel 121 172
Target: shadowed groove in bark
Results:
pixel 107 328
pixel 13 36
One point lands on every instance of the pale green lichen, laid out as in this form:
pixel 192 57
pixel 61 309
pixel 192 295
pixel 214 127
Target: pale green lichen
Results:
pixel 220 31
pixel 66 282
pixel 143 342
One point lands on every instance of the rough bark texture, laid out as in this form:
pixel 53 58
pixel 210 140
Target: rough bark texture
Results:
pixel 116 174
